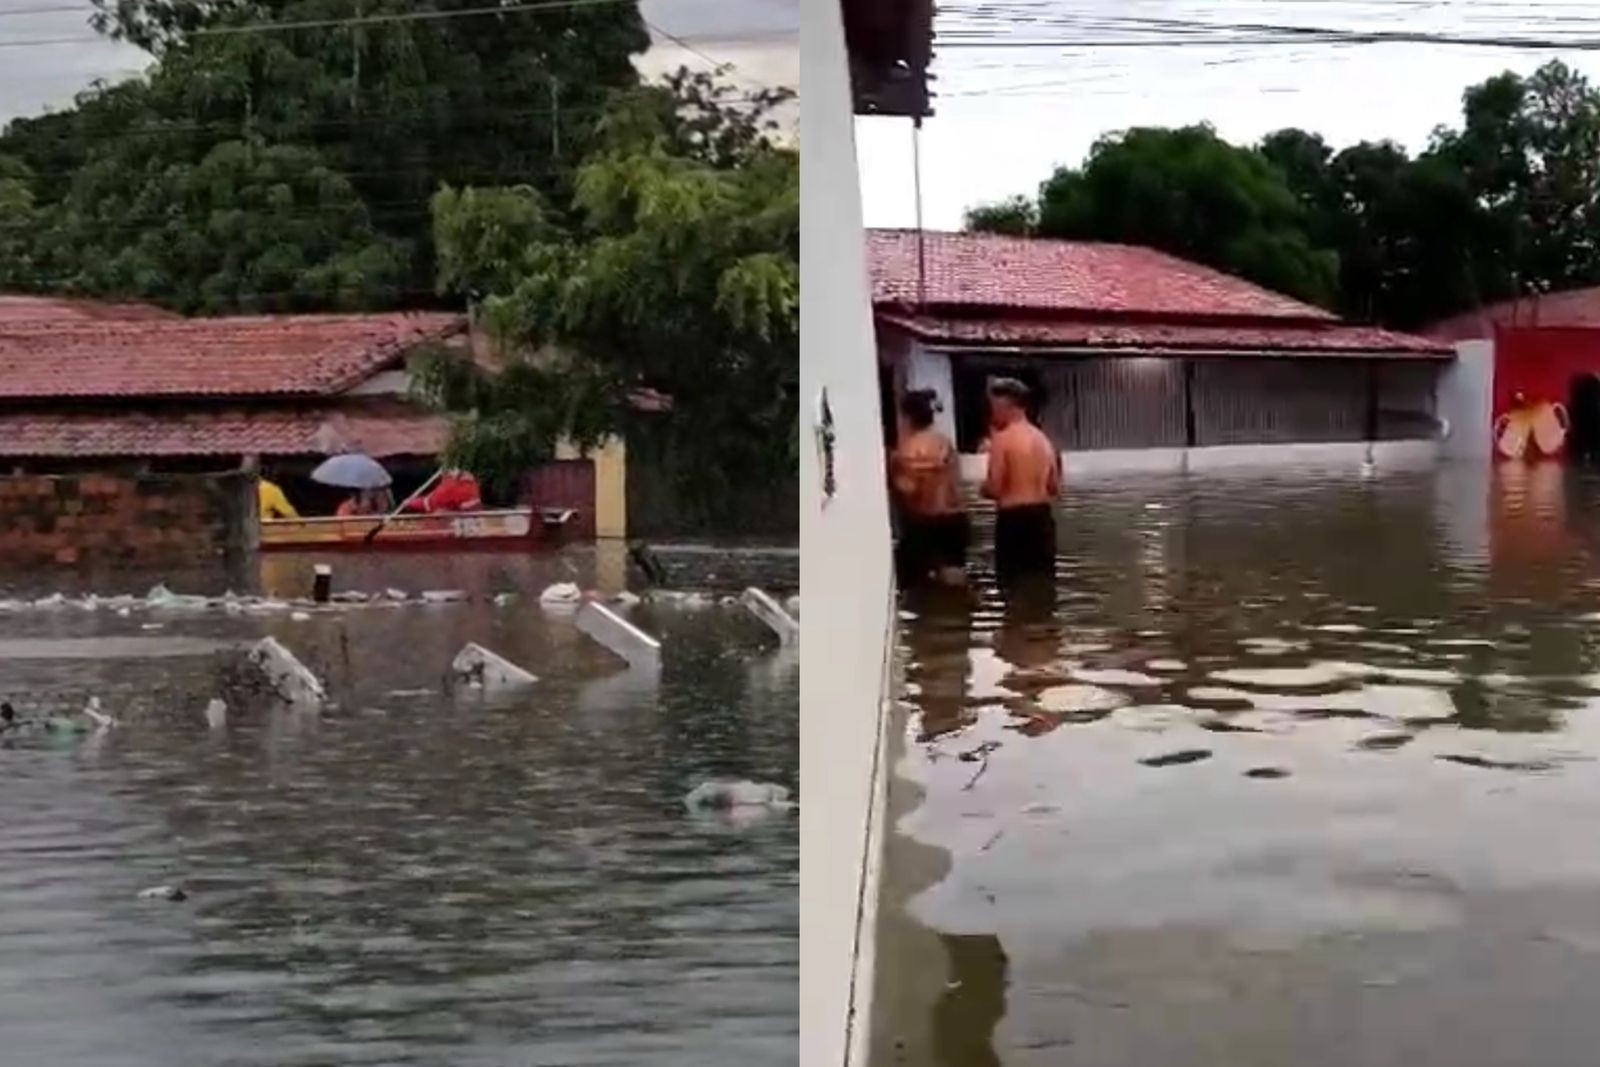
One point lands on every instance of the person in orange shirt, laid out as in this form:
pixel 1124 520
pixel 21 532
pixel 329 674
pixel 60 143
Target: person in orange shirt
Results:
pixel 1024 481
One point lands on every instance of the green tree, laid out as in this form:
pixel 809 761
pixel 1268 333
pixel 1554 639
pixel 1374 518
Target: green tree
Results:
pixel 1015 216
pixel 245 228
pixel 1188 192
pixel 399 108
pixel 682 276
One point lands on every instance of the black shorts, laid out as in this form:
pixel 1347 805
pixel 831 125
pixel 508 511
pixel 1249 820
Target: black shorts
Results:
pixel 928 544
pixel 1025 541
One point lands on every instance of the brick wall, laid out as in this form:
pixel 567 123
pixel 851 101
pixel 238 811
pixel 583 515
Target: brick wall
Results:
pixel 154 520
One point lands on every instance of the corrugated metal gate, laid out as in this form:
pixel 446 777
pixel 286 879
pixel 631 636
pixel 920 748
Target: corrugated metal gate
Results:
pixel 1130 402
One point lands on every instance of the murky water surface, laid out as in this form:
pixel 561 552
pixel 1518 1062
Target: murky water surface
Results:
pixel 1288 770
pixel 412 877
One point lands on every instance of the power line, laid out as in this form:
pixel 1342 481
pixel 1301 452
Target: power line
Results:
pixel 338 23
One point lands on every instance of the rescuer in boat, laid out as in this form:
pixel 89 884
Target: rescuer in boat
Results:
pixel 274 504
pixel 457 491
pixel 925 471
pixel 1024 481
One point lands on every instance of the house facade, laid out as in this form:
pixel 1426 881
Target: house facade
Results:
pixel 1139 359
pixel 122 389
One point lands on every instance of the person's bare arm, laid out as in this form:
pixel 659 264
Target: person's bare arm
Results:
pixel 994 482
pixel 1054 484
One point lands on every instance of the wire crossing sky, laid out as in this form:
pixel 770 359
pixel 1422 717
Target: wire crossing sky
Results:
pixel 1026 85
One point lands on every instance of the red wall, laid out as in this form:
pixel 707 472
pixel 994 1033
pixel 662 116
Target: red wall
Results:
pixel 1541 361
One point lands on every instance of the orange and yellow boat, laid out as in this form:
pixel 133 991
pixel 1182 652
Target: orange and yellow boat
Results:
pixel 500 528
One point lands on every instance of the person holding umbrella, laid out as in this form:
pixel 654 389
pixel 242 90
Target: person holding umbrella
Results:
pixel 361 474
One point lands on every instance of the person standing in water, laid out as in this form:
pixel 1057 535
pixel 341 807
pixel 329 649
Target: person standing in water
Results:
pixel 1024 481
pixel 925 471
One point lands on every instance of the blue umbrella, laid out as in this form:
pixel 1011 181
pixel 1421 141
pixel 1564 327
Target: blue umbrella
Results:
pixel 352 470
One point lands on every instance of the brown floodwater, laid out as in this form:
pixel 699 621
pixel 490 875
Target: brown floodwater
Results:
pixel 412 877
pixel 1286 769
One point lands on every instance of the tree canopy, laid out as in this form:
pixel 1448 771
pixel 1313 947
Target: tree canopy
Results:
pixel 680 275
pixel 1504 204
pixel 346 126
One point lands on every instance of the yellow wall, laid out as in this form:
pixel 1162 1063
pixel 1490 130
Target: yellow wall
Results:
pixel 610 485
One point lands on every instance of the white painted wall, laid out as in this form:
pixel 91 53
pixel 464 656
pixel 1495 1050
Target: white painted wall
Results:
pixel 1466 401
pixel 1109 463
pixel 931 370
pixel 845 585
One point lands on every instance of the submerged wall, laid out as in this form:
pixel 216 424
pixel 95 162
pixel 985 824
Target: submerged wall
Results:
pixel 125 520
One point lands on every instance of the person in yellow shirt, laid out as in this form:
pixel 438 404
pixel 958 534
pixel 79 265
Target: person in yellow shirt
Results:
pixel 274 505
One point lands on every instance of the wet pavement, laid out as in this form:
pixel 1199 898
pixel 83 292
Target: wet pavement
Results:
pixel 1296 769
pixel 414 876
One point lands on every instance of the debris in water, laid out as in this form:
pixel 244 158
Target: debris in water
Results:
pixel 770 612
pixel 299 616
pixel 561 594
pixel 443 596
pixel 396 594
pixel 164 892
pixel 975 754
pixel 1223 726
pixel 350 596
pixel 621 637
pixel 1499 765
pixel 54 600
pixel 1266 772
pixel 480 668
pixel 503 599
pixel 625 599
pixel 1081 698
pixel 290 679
pixel 724 796
pixel 1385 742
pixel 216 714
pixel 1173 759
pixel 92 712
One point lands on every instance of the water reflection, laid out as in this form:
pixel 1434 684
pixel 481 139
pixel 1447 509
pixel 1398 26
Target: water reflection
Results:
pixel 415 876
pixel 1266 738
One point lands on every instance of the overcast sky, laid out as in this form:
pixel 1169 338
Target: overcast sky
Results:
pixel 760 37
pixel 1006 117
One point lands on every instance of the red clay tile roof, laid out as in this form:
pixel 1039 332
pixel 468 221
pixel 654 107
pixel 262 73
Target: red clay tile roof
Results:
pixel 992 271
pixel 380 431
pixel 17 308
pixel 243 356
pixel 1331 339
pixel 1573 307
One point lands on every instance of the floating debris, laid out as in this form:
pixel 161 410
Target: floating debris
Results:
pixel 290 679
pixel 443 596
pixel 100 719
pixel 770 612
pixel 486 670
pixel 174 893
pixel 726 795
pixel 216 714
pixel 1173 759
pixel 625 599
pixel 561 595
pixel 1385 742
pixel 300 616
pixel 1081 698
pixel 504 599
pixel 1266 772
pixel 621 637
pixel 1499 765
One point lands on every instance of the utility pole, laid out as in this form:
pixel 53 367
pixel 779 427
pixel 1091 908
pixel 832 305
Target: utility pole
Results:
pixel 555 116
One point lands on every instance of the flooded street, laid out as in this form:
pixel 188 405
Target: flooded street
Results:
pixel 1297 768
pixel 413 876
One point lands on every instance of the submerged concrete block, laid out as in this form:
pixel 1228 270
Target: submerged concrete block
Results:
pixel 769 611
pixel 290 679
pixel 477 666
pixel 621 637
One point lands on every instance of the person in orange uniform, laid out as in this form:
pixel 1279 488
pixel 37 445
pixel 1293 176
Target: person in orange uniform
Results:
pixel 457 491
pixel 1024 481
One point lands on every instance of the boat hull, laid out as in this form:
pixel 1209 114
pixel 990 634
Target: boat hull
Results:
pixel 455 531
